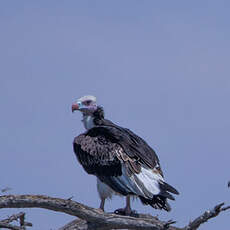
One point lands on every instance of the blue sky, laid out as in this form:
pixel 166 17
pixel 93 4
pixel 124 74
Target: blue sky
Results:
pixel 159 68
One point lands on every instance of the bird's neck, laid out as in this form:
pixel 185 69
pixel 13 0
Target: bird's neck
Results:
pixel 95 119
pixel 88 121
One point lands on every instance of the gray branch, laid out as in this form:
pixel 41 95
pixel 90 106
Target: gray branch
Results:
pixel 19 216
pixel 92 218
pixel 13 218
pixel 10 226
pixel 206 216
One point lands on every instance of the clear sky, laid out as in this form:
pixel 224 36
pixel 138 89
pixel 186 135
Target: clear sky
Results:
pixel 160 68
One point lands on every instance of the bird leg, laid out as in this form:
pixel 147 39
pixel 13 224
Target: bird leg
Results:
pixel 102 204
pixel 127 211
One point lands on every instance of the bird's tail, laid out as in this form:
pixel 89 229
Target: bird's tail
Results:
pixel 160 201
pixel 157 202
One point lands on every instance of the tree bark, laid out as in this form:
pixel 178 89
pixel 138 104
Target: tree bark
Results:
pixel 92 218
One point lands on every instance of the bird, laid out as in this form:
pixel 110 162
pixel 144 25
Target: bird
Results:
pixel 122 161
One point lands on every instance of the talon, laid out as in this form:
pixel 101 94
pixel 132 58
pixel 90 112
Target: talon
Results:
pixel 125 212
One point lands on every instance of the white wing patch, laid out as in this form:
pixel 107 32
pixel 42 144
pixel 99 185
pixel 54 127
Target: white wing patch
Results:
pixel 145 184
pixel 150 180
pixel 127 182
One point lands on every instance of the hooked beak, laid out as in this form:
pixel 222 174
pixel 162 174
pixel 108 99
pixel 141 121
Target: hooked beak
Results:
pixel 75 107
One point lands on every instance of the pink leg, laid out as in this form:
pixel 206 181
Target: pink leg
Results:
pixel 127 211
pixel 102 204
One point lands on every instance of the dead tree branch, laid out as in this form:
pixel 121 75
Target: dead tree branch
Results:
pixel 6 189
pixel 92 218
pixel 13 218
pixel 206 216
pixel 19 216
pixel 96 219
pixel 10 226
pixel 80 224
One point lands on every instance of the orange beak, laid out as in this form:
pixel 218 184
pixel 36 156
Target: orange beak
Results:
pixel 75 107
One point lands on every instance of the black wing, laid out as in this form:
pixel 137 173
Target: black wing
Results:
pixel 113 154
pixel 97 155
pixel 104 158
pixel 134 146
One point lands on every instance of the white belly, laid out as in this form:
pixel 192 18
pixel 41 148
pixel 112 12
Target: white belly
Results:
pixel 104 190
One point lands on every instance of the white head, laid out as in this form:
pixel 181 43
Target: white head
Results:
pixel 87 105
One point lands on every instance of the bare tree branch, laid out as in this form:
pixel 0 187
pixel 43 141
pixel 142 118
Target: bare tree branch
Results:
pixel 13 218
pixel 225 208
pixel 79 224
pixel 96 219
pixel 6 189
pixel 10 226
pixel 21 216
pixel 206 216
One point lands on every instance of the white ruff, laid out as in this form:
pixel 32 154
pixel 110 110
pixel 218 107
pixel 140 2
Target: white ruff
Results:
pixel 88 122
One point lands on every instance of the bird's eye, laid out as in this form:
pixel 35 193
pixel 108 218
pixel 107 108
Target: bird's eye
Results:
pixel 87 102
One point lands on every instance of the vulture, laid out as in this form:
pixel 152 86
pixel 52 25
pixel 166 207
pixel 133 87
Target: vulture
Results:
pixel 122 161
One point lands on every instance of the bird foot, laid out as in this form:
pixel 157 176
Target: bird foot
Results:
pixel 126 212
pixel 101 209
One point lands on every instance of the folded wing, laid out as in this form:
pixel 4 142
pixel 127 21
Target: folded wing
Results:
pixel 125 162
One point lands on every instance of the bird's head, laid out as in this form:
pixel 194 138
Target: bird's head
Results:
pixel 92 113
pixel 86 104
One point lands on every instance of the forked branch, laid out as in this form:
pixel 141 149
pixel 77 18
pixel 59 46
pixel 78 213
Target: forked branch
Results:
pixel 19 216
pixel 96 219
